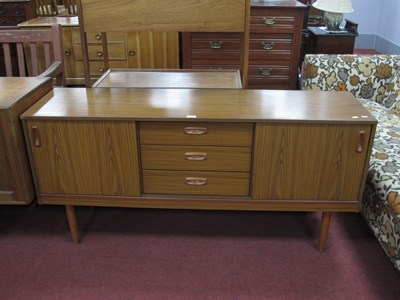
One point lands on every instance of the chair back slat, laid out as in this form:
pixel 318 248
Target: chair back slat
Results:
pixel 38 51
pixel 34 61
pixel 21 59
pixel 47 57
pixel 7 59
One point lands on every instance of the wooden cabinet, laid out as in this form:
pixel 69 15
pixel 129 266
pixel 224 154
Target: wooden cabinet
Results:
pixel 17 11
pixel 203 149
pixel 274 46
pixel 322 42
pixel 125 49
pixel 17 95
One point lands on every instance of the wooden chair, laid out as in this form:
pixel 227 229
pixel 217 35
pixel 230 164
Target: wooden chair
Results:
pixel 71 6
pixel 166 16
pixel 47 7
pixel 30 41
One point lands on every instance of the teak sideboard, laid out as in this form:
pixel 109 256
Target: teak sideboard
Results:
pixel 226 149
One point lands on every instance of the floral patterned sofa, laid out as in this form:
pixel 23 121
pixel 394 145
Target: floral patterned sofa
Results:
pixel 375 81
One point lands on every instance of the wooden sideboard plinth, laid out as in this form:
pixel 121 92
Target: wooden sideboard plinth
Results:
pixel 220 149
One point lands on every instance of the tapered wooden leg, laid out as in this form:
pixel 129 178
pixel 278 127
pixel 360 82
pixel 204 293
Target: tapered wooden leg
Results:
pixel 73 225
pixel 323 234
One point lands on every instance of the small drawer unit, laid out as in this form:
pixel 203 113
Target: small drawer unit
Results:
pixel 274 46
pixel 211 50
pixel 196 158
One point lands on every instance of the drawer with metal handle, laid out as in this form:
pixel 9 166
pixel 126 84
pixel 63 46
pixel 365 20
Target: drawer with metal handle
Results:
pixel 196 183
pixel 206 158
pixel 196 133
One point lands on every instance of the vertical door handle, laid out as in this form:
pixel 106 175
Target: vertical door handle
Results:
pixel 360 141
pixel 36 136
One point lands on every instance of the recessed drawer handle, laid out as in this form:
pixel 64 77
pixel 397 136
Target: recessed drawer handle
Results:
pixel 195 130
pixel 196 156
pixel 269 21
pixel 267 45
pixel 196 180
pixel 360 143
pixel 36 136
pixel 216 44
pixel 265 71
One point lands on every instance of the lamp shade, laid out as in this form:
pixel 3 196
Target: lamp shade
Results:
pixel 336 6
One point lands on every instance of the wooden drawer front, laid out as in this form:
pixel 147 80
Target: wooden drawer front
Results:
pixel 215 46
pixel 270 20
pixel 216 41
pixel 16 10
pixel 205 158
pixel 10 21
pixel 96 38
pixel 270 46
pixel 115 52
pixel 268 74
pixel 97 68
pixel 183 133
pixel 196 183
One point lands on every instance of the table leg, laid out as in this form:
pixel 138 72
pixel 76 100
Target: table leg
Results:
pixel 323 235
pixel 73 225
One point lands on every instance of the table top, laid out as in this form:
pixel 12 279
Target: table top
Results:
pixel 219 105
pixel 13 89
pixel 321 32
pixel 150 78
pixel 49 21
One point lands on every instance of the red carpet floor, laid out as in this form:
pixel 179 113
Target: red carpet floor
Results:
pixel 173 254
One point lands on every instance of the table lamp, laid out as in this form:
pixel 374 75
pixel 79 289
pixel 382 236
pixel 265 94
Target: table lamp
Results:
pixel 334 10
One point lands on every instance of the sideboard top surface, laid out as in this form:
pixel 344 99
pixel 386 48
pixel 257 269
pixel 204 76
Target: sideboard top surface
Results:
pixel 200 105
pixel 14 88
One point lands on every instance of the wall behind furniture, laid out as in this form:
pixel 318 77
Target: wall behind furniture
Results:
pixel 379 28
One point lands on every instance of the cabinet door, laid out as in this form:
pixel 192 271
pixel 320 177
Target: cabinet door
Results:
pixel 84 157
pixel 309 161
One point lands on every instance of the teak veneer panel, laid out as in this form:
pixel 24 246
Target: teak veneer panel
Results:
pixel 85 157
pixel 166 15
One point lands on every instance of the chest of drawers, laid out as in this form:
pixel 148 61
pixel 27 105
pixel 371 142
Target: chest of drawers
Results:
pixel 274 46
pixel 196 158
pixel 275 40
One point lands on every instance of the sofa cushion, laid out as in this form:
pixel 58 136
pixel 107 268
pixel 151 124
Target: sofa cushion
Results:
pixel 392 99
pixel 381 202
pixel 366 77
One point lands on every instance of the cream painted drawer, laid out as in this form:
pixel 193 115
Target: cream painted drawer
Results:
pixel 196 183
pixel 205 158
pixel 184 133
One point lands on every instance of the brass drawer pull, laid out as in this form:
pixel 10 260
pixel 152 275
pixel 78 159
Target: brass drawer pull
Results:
pixel 196 156
pixel 98 37
pixel 269 21
pixel 67 52
pixel 216 44
pixel 195 130
pixel 99 53
pixel 267 45
pixel 132 53
pixel 196 180
pixel 265 71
